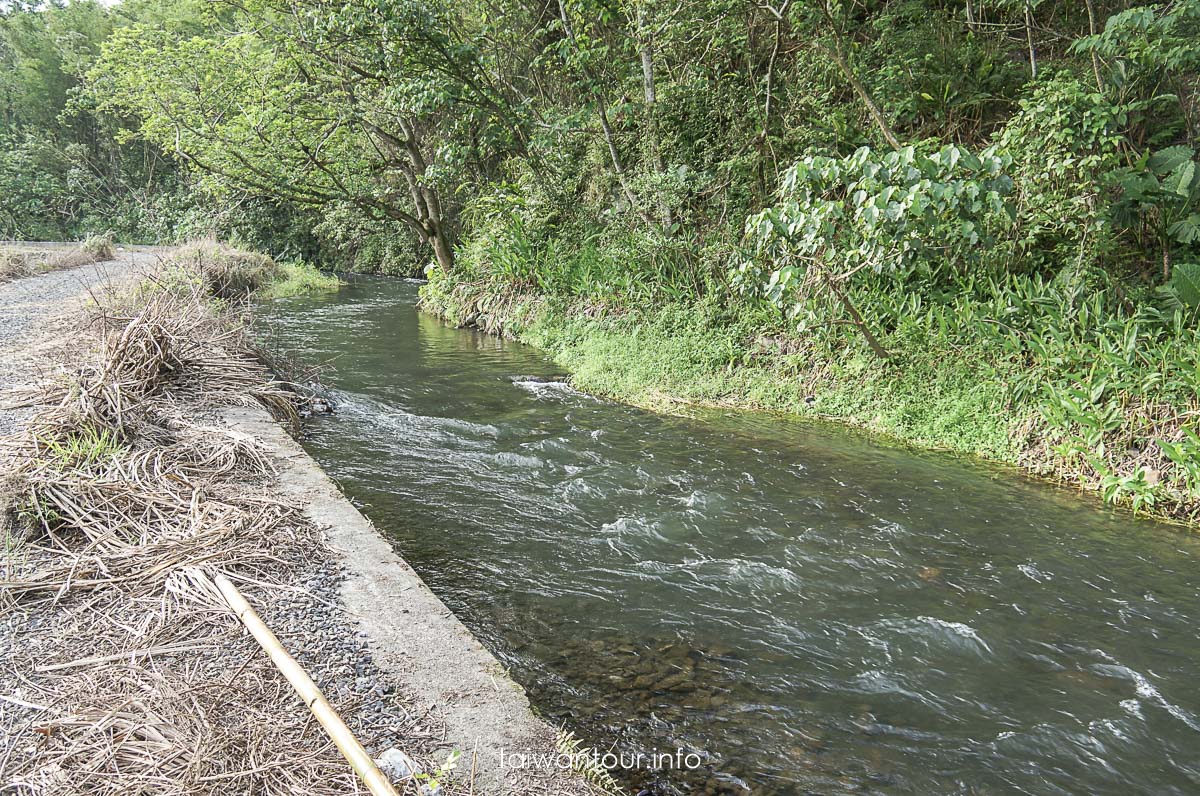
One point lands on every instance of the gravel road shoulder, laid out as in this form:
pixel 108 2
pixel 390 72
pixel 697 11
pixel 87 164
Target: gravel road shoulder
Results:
pixel 35 317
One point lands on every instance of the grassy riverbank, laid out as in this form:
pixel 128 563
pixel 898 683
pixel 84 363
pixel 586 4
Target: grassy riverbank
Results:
pixel 1070 388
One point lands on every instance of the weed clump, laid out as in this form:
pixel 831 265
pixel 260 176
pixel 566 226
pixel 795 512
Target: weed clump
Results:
pixel 101 248
pixel 14 265
pixel 226 271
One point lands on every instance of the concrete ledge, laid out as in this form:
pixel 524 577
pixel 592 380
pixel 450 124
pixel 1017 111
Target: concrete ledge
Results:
pixel 413 636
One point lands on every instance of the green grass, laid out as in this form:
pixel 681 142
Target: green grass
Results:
pixel 681 355
pixel 84 447
pixel 298 279
pixel 1014 372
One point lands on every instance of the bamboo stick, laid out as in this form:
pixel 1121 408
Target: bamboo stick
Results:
pixel 375 780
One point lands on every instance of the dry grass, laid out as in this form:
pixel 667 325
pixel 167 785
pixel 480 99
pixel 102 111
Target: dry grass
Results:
pixel 16 262
pixel 228 272
pixel 127 674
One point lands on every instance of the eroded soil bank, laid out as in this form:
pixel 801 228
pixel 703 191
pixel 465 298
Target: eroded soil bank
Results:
pixel 119 671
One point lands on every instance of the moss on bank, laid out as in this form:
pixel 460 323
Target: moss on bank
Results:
pixel 931 395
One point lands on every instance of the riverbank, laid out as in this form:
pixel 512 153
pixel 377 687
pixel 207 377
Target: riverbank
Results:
pixel 1072 413
pixel 143 462
pixel 792 601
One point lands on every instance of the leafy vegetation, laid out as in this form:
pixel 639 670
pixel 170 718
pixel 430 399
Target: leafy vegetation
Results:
pixel 298 278
pixel 973 226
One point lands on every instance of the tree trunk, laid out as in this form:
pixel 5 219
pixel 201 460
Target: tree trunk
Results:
pixel 1029 40
pixel 426 201
pixel 443 251
pixel 1091 9
pixel 605 125
pixel 780 17
pixel 839 58
pixel 650 96
pixel 876 347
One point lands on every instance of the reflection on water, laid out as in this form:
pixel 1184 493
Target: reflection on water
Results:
pixel 809 611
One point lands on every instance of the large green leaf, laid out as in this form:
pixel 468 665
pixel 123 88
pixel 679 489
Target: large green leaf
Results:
pixel 1165 161
pixel 1185 283
pixel 1180 181
pixel 1186 230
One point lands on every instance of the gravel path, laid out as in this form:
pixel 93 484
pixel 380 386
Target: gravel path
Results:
pixel 31 304
pixel 38 331
pixel 23 302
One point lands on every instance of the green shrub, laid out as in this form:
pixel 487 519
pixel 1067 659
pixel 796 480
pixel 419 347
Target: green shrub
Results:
pixel 1063 142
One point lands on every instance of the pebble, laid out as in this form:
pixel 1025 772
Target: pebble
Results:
pixel 397 765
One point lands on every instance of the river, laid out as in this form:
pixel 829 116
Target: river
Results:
pixel 805 610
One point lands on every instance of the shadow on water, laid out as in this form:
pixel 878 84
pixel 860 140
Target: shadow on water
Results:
pixel 805 610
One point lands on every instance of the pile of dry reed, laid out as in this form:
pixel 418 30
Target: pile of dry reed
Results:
pixel 228 272
pixel 124 673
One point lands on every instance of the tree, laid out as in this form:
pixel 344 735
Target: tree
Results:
pixel 320 103
pixel 838 217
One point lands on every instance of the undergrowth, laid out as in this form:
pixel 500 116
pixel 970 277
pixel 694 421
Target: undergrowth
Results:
pixel 1082 387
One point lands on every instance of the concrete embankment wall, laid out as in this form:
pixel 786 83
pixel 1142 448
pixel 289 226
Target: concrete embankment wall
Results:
pixel 413 635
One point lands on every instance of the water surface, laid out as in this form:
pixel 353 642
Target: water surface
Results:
pixel 809 611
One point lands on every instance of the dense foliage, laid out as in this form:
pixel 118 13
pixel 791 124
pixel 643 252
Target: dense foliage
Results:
pixel 992 206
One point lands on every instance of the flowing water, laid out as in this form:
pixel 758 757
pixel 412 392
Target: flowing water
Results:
pixel 807 611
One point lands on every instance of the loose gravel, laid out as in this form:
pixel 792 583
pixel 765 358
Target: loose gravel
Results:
pixel 313 626
pixel 34 304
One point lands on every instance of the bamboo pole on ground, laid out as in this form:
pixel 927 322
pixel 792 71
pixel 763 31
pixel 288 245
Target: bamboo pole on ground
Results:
pixel 375 780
